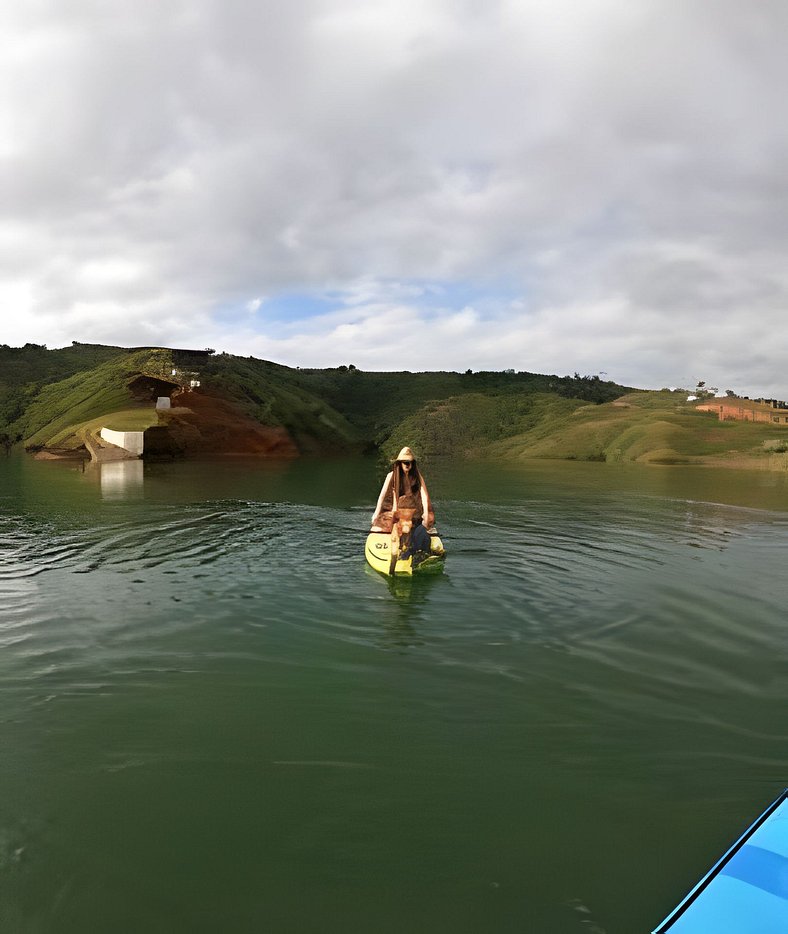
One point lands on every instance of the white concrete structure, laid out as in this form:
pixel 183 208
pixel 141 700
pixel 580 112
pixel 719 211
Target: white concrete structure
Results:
pixel 163 402
pixel 131 441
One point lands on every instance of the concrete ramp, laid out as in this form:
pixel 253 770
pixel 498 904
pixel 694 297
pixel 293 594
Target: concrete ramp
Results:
pixel 131 441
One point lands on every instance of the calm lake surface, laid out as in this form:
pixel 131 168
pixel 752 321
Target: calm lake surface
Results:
pixel 215 717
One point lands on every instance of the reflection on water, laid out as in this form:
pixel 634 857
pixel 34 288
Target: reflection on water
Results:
pixel 591 695
pixel 407 589
pixel 409 600
pixel 119 479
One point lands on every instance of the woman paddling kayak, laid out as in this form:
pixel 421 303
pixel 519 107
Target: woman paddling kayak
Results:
pixel 403 540
pixel 404 488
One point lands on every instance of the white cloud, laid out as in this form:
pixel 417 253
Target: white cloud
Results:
pixel 605 180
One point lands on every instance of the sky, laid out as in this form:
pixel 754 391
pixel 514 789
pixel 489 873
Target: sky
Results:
pixel 558 186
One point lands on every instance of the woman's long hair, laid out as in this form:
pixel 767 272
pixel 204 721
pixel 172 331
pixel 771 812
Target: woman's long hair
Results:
pixel 401 481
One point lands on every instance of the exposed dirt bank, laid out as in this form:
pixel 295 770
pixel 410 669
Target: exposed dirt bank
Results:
pixel 203 424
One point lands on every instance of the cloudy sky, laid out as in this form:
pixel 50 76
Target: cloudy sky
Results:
pixel 550 185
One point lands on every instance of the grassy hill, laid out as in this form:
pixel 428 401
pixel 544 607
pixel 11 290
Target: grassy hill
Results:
pixel 48 399
pixel 638 427
pixel 377 402
pixel 60 410
pixel 643 427
pixel 24 371
pixel 471 424
pixel 33 363
pixel 272 395
pixel 56 415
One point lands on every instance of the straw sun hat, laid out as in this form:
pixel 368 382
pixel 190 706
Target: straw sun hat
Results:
pixel 405 455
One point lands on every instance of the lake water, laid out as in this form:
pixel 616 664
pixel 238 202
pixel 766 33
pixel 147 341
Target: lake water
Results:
pixel 215 717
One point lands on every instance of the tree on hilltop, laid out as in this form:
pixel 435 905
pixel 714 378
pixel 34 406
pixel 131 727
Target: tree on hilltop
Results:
pixel 702 391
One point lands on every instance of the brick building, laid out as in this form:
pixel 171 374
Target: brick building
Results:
pixel 734 409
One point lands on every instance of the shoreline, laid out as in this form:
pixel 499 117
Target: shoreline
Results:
pixel 774 463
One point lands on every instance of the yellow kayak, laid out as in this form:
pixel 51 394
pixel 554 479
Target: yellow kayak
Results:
pixel 378 555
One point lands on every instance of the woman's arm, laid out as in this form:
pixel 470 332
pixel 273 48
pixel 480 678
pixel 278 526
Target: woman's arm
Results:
pixel 382 496
pixel 428 517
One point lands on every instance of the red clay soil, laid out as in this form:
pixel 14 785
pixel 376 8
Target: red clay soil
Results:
pixel 203 424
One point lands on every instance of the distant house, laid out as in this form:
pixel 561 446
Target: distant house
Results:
pixel 734 409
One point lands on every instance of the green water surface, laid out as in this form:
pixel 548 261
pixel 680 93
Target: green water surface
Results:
pixel 215 717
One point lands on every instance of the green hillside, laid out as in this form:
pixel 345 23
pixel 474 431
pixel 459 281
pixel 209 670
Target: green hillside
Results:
pixel 33 363
pixel 55 415
pixel 638 427
pixel 377 402
pixel 644 427
pixel 24 371
pixel 59 410
pixel 48 399
pixel 469 425
pixel 273 395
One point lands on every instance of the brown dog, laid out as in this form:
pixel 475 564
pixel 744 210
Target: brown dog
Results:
pixel 400 533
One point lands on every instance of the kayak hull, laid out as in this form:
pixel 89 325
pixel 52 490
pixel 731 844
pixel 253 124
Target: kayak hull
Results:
pixel 377 551
pixel 746 891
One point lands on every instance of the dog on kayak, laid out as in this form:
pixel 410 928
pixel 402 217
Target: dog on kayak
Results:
pixel 408 540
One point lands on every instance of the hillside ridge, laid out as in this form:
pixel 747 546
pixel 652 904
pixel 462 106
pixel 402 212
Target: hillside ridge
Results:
pixel 224 404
